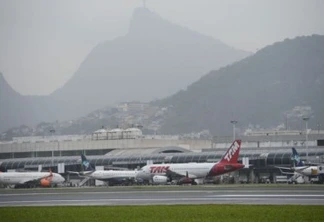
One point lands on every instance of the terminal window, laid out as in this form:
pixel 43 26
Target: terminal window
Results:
pixel 320 142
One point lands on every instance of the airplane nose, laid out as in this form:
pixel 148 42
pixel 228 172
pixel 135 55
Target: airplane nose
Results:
pixel 139 175
pixel 61 179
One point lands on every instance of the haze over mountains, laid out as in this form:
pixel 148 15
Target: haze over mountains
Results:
pixel 274 88
pixel 155 59
pixel 16 110
pixel 277 85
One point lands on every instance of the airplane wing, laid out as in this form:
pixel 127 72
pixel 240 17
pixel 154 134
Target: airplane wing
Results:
pixel 82 173
pixel 288 170
pixel 284 168
pixel 115 168
pixel 73 172
pixel 179 174
pixel 116 179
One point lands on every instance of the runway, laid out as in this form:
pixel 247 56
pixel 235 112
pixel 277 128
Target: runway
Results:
pixel 295 195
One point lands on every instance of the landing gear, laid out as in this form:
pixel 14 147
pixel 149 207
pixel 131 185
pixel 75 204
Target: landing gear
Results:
pixel 193 182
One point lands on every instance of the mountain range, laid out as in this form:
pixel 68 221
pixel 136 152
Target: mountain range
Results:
pixel 273 89
pixel 155 59
pixel 277 86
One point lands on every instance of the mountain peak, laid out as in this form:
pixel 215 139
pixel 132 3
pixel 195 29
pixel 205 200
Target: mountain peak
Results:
pixel 156 56
pixel 142 12
pixel 144 21
pixel 148 25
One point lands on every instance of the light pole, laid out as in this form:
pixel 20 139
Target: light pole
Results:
pixel 234 123
pixel 306 133
pixel 318 128
pixel 52 131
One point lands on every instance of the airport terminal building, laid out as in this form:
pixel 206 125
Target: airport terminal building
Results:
pixel 260 151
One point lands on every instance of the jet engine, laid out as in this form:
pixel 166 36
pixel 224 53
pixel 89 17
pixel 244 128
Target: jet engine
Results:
pixel 45 182
pixel 160 179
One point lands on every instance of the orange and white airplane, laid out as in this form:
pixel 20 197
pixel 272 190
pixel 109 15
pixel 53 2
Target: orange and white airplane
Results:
pixel 30 179
pixel 188 172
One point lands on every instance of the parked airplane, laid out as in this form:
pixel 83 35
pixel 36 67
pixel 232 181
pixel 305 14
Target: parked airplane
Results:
pixel 111 176
pixel 30 179
pixel 300 168
pixel 189 172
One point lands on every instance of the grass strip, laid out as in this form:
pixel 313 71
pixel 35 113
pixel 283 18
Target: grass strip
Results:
pixel 185 213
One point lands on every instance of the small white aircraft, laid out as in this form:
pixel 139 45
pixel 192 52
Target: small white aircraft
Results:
pixel 187 172
pixel 31 179
pixel 300 168
pixel 111 176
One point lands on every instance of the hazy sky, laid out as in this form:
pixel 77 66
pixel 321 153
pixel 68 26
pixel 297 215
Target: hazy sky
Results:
pixel 43 42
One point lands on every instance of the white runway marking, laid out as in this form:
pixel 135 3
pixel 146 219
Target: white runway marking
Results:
pixel 270 195
pixel 130 201
pixel 159 192
pixel 108 200
pixel 143 196
pixel 165 199
pixel 113 192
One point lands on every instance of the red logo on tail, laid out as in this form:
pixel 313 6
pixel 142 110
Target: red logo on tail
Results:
pixel 232 153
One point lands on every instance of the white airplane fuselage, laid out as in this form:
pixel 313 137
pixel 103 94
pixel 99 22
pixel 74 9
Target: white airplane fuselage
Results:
pixel 195 170
pixel 13 178
pixel 307 170
pixel 112 174
pixel 190 171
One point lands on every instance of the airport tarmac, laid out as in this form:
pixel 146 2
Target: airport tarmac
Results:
pixel 146 195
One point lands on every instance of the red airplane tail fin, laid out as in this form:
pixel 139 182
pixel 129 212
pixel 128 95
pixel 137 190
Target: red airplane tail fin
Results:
pixel 232 154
